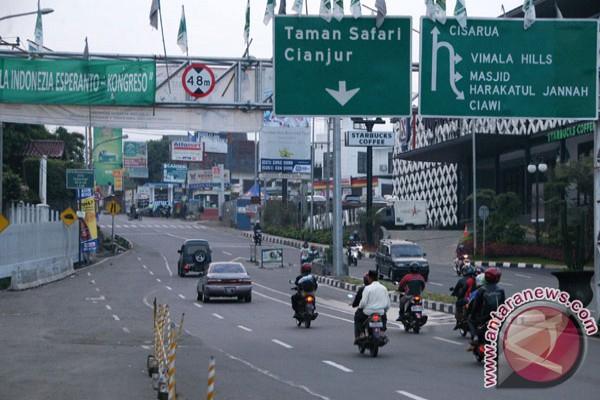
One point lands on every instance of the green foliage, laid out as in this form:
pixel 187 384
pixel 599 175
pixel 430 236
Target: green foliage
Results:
pixel 504 210
pixel 74 144
pixel 59 196
pixel 158 154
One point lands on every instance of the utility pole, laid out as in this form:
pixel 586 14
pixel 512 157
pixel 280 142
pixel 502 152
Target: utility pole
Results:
pixel 312 176
pixel 327 168
pixel 474 155
pixel 338 250
pixel 597 215
pixel 1 163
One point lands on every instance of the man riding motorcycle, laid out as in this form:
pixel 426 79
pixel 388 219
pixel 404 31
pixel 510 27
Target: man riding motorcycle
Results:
pixel 375 299
pixel 462 291
pixel 412 284
pixel 488 299
pixel 305 283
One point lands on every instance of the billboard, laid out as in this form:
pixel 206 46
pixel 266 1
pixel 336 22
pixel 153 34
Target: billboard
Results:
pixel 107 154
pixel 135 159
pixel 208 179
pixel 186 151
pixel 213 142
pixel 285 152
pixel 174 173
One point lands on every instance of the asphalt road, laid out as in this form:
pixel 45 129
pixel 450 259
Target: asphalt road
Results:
pixel 88 336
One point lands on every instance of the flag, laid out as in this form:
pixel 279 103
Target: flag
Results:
pixel 86 50
pixel 529 11
pixel 338 9
pixel 325 10
pixel 558 13
pixel 39 31
pixel 154 8
pixel 182 33
pixel 460 12
pixel 282 7
pixel 355 7
pixel 269 11
pixel 297 7
pixel 430 9
pixel 247 24
pixel 381 12
pixel 440 11
pixel 503 12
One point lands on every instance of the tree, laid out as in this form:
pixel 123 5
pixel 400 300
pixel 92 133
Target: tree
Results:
pixel 74 144
pixel 158 154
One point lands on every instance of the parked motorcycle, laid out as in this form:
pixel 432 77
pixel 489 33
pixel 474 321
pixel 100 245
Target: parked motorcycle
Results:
pixel 413 317
pixel 461 263
pixel 376 336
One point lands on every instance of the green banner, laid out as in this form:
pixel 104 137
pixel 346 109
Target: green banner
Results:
pixel 107 154
pixel 77 82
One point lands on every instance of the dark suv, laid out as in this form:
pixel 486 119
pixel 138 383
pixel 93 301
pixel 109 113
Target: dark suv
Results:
pixel 394 257
pixel 194 256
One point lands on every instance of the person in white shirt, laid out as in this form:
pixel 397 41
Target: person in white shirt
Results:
pixel 375 299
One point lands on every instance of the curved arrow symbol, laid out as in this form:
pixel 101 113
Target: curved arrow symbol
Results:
pixel 342 95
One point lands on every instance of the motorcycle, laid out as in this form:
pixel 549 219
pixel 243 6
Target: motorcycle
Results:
pixel 460 263
pixel 413 316
pixel 137 215
pixel 258 237
pixel 307 313
pixel 479 346
pixel 353 256
pixel 375 338
pixel 461 321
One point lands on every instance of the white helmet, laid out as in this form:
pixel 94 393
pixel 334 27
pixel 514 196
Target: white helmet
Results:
pixel 480 280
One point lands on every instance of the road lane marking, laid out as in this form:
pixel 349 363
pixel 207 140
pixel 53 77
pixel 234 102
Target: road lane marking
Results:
pixel 198 305
pixel 217 316
pixel 89 274
pixel 435 283
pixel 144 266
pixel 151 273
pixel 244 328
pixel 116 317
pixel 169 287
pixel 410 395
pixel 175 236
pixel 523 276
pixel 158 280
pixel 506 284
pixel 125 226
pixel 139 258
pixel 167 265
pixel 93 282
pixel 145 347
pixel 338 366
pixel 108 307
pixel 181 296
pixel 447 340
pixel 282 344
pixel 126 330
pixel 227 253
pixel 97 289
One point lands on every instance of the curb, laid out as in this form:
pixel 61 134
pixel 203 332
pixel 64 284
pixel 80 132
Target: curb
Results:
pixel 500 264
pixel 429 304
pixel 283 241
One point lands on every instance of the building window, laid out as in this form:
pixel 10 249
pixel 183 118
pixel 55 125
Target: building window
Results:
pixel 362 162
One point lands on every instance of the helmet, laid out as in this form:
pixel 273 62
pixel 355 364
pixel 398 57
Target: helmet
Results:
pixel 479 270
pixel 313 247
pixel 480 280
pixel 492 275
pixel 413 267
pixel 469 271
pixel 306 269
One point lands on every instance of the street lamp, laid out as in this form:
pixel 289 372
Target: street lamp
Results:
pixel 42 11
pixel 534 169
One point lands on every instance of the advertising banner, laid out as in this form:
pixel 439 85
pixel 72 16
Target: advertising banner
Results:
pixel 107 154
pixel 372 139
pixel 285 151
pixel 77 82
pixel 213 142
pixel 135 159
pixel 186 151
pixel 174 173
pixel 88 206
pixel 207 179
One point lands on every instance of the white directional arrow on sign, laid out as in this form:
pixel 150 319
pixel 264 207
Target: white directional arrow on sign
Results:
pixel 342 95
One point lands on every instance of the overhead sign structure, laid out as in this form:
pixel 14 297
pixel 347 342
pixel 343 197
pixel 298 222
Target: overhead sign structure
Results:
pixel 342 68
pixel 285 152
pixel 4 223
pixel 80 178
pixel 186 151
pixel 198 80
pixel 495 68
pixel 372 139
pixel 68 216
pixel 113 207
pixel 77 82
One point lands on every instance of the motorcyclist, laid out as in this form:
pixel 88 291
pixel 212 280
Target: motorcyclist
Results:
pixel 256 227
pixel 412 284
pixel 306 283
pixel 132 211
pixel 488 299
pixel 462 291
pixel 257 233
pixel 304 252
pixel 354 239
pixel 375 299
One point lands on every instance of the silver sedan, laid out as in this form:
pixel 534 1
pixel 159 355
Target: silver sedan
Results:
pixel 225 279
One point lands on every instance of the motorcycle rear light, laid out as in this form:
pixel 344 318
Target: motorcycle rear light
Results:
pixel 481 349
pixel 376 318
pixel 310 299
pixel 417 299
pixel 187 267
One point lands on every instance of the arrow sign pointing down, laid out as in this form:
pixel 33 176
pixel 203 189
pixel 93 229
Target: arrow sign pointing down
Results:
pixel 342 95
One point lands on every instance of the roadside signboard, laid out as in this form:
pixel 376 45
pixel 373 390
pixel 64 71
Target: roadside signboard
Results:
pixel 135 159
pixel 186 151
pixel 372 139
pixel 107 154
pixel 80 178
pixel 484 212
pixel 495 68
pixel 4 223
pixel 565 132
pixel 198 80
pixel 174 173
pixel 68 216
pixel 113 207
pixel 342 68
pixel 284 152
pixel 271 256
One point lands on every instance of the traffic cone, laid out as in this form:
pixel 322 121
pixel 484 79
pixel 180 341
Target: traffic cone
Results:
pixel 466 231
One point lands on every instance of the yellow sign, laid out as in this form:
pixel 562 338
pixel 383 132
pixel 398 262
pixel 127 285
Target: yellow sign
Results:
pixel 68 216
pixel 113 207
pixel 4 223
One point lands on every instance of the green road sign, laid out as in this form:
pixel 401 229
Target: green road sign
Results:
pixel 495 68
pixel 342 68
pixel 80 178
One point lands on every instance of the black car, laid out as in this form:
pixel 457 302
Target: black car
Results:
pixel 394 257
pixel 194 256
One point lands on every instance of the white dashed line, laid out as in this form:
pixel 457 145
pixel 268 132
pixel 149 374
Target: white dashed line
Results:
pixel 139 258
pixel 158 280
pixel 167 266
pixel 338 366
pixel 144 266
pixel 126 330
pixel 181 296
pixel 108 307
pixel 217 316
pixel 125 226
pixel 169 287
pixel 93 282
pixel 282 344
pixel 410 395
pixel 523 276
pixel 151 273
pixel 89 274
pixel 506 284
pixel 116 317
pixel 227 253
pixel 435 283
pixel 198 305
pixel 97 289
pixel 145 347
pixel 244 328
pixel 447 340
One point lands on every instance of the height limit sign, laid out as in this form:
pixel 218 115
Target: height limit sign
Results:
pixel 198 80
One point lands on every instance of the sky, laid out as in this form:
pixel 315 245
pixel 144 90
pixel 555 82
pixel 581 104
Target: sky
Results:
pixel 215 27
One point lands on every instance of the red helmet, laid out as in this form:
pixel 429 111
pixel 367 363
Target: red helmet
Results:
pixel 492 275
pixel 306 269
